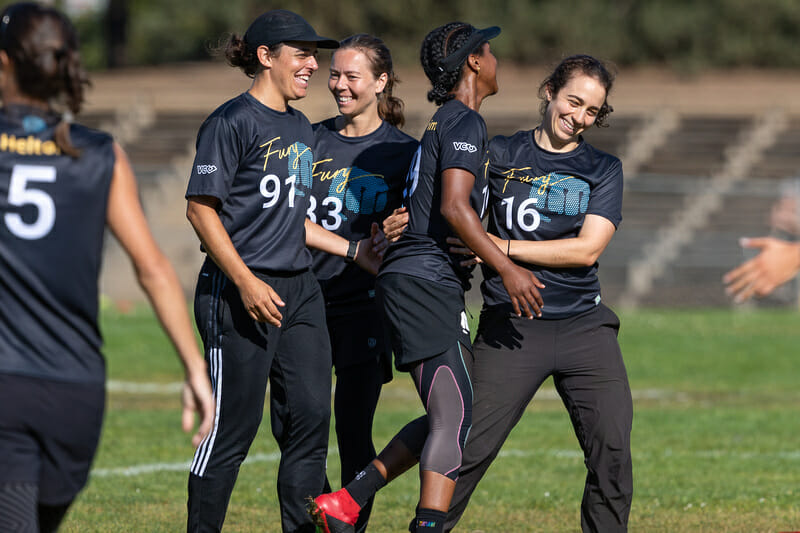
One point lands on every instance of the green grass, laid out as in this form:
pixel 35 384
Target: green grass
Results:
pixel 715 438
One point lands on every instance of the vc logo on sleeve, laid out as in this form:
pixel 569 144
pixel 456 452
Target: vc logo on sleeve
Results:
pixel 462 146
pixel 206 169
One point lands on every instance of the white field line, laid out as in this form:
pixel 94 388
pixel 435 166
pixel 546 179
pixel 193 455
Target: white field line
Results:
pixel 151 468
pixel 135 387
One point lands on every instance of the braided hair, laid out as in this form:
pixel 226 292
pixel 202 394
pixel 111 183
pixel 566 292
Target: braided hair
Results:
pixel 390 108
pixel 43 46
pixel 436 47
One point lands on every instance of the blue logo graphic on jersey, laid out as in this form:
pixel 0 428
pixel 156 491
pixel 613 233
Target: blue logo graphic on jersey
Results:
pixel 301 164
pixel 566 195
pixel 33 124
pixel 360 191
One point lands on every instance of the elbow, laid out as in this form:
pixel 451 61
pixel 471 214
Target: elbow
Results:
pixel 451 213
pixel 589 258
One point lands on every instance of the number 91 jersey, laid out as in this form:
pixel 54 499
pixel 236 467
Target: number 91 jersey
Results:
pixel 536 195
pixel 52 222
pixel 258 163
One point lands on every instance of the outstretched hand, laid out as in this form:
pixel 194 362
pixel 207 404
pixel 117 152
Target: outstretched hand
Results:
pixel 777 262
pixel 197 398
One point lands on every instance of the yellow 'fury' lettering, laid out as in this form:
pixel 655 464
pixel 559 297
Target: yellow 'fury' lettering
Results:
pixel 544 181
pixel 282 153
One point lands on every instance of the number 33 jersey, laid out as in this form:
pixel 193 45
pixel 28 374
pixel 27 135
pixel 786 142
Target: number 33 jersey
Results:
pixel 357 181
pixel 52 221
pixel 257 162
pixel 537 195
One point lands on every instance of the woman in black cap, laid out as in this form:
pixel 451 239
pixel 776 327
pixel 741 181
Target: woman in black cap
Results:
pixel 61 184
pixel 421 286
pixel 258 307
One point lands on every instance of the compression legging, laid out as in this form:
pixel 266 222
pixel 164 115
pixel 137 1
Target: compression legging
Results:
pixel 443 384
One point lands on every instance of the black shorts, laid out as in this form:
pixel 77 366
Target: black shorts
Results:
pixel 422 318
pixel 357 337
pixel 50 435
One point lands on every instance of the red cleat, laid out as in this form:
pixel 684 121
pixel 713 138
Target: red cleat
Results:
pixel 336 512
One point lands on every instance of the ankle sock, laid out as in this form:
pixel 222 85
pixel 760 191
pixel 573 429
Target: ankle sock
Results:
pixel 428 521
pixel 366 484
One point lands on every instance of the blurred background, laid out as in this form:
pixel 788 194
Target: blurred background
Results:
pixel 706 120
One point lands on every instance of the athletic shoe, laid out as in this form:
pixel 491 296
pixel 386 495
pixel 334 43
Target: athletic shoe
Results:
pixel 335 512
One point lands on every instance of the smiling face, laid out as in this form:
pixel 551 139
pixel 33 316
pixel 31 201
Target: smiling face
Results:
pixel 352 83
pixel 572 110
pixel 292 67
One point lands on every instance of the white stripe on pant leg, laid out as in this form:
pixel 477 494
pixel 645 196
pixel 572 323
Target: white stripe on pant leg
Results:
pixel 204 450
pixel 202 457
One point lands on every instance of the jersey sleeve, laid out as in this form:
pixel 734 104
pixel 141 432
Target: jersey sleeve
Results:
pixel 463 144
pixel 216 161
pixel 606 198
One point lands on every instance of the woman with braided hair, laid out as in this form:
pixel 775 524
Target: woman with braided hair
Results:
pixel 421 286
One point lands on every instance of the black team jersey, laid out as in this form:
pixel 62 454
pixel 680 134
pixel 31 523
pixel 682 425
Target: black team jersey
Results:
pixel 258 163
pixel 538 195
pixel 454 138
pixel 357 181
pixel 52 220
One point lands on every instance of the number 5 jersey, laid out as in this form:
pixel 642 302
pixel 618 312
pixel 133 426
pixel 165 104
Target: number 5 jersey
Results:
pixel 52 221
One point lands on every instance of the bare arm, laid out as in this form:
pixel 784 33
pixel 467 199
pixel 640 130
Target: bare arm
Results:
pixel 368 253
pixel 158 279
pixel 580 251
pixel 520 283
pixel 777 262
pixel 260 300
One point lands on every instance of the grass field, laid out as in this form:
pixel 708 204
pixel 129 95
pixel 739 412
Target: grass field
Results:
pixel 715 438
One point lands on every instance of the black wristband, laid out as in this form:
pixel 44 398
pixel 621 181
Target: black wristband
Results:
pixel 351 252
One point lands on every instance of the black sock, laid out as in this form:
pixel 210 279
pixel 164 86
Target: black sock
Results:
pixel 366 484
pixel 428 521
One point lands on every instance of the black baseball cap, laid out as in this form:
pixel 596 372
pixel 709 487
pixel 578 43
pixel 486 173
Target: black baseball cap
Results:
pixel 457 58
pixel 281 25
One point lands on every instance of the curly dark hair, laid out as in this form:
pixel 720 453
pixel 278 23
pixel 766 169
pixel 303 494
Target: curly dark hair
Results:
pixel 240 55
pixel 580 64
pixel 42 44
pixel 390 107
pixel 437 45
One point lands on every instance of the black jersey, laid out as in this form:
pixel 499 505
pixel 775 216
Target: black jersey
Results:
pixel 357 181
pixel 539 195
pixel 52 220
pixel 257 162
pixel 454 138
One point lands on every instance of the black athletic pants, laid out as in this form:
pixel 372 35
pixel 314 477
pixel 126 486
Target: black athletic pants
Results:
pixel 242 354
pixel 512 357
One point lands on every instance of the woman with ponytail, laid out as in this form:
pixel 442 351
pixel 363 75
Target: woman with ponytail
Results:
pixel 420 286
pixel 361 161
pixel 60 185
